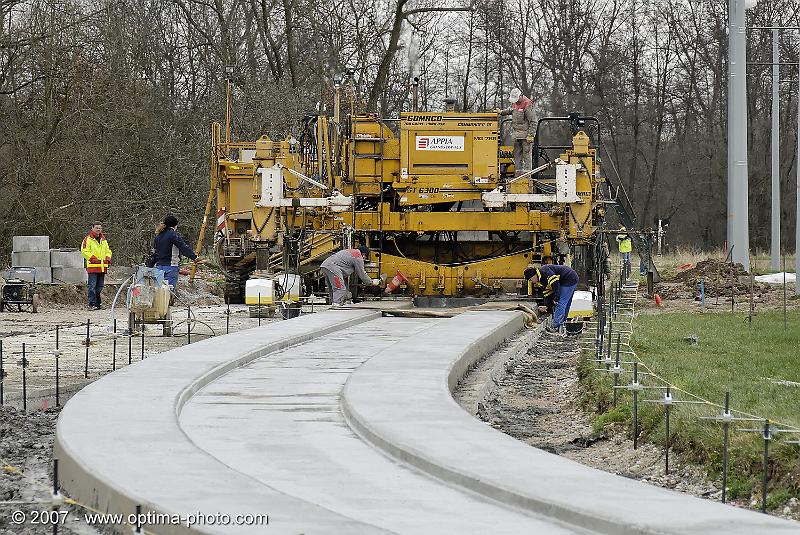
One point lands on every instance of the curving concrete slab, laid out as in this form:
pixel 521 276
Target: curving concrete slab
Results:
pixel 343 422
pixel 119 442
pixel 284 411
pixel 400 401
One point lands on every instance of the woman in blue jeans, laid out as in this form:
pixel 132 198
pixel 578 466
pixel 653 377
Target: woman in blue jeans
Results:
pixel 168 246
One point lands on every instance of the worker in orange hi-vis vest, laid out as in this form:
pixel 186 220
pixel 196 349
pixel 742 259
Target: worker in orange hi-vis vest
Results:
pixel 97 256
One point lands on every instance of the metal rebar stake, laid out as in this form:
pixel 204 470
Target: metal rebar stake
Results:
pixel 598 339
pixel 613 311
pixel 667 406
pixel 616 370
pixel 57 355
pixel 142 326
pixel 259 309
pixel 635 406
pixel 188 324
pixel 765 477
pixel 130 347
pixel 228 318
pixel 56 502
pixel 86 364
pixel 56 487
pixel 725 441
pixel 24 381
pixel 114 349
pixel 610 332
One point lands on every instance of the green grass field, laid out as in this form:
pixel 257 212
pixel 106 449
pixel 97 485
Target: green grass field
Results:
pixel 757 364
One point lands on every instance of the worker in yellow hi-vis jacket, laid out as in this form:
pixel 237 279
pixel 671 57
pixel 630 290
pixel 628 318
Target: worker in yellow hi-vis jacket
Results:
pixel 97 255
pixel 625 248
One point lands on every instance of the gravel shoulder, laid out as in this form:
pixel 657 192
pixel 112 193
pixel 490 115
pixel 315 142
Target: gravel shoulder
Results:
pixel 536 399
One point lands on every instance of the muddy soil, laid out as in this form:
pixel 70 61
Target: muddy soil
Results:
pixel 537 401
pixel 26 453
pixel 720 280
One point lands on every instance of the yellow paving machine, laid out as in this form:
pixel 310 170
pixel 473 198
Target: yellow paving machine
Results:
pixel 433 195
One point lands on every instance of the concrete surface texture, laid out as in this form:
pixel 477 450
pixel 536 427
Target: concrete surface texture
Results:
pixel 284 412
pixel 30 258
pixel 30 243
pixel 69 275
pixel 60 266
pixel 438 437
pixel 66 258
pixel 119 442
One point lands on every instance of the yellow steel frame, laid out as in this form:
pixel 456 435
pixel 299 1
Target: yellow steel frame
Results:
pixel 371 159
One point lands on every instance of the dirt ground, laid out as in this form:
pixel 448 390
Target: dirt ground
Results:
pixel 26 443
pixel 727 287
pixel 26 439
pixel 64 310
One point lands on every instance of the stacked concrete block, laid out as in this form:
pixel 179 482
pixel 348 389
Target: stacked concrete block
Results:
pixel 31 243
pixel 30 259
pixel 68 266
pixel 33 251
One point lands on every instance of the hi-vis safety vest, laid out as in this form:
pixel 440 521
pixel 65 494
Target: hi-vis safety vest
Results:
pixel 624 244
pixel 97 249
pixel 548 284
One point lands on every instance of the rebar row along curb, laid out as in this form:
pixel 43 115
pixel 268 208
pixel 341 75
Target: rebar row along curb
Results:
pixel 401 401
pixel 119 442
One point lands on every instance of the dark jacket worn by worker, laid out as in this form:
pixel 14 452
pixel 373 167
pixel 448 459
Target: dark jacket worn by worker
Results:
pixel 345 263
pixel 523 118
pixel 168 246
pixel 552 277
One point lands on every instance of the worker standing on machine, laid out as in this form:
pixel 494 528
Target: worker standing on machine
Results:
pixel 168 246
pixel 625 248
pixel 97 253
pixel 341 265
pixel 523 128
pixel 559 283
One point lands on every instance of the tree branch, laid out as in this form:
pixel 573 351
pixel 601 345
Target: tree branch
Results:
pixel 406 14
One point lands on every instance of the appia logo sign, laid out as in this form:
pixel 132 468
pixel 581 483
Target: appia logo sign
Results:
pixel 440 143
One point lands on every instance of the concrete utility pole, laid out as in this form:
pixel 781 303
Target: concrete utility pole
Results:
pixel 738 212
pixel 775 242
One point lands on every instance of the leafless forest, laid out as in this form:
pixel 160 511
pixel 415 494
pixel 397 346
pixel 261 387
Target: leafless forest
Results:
pixel 105 105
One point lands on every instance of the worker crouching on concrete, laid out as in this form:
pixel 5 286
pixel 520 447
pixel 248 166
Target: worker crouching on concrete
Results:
pixel 559 283
pixel 339 266
pixel 168 246
pixel 97 254
pixel 523 129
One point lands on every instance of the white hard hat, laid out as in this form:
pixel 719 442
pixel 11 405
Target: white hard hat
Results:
pixel 514 95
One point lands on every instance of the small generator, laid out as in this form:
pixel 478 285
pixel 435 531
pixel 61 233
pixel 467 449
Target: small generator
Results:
pixel 19 291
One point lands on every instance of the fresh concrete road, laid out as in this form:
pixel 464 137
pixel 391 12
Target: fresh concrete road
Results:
pixel 279 421
pixel 343 422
